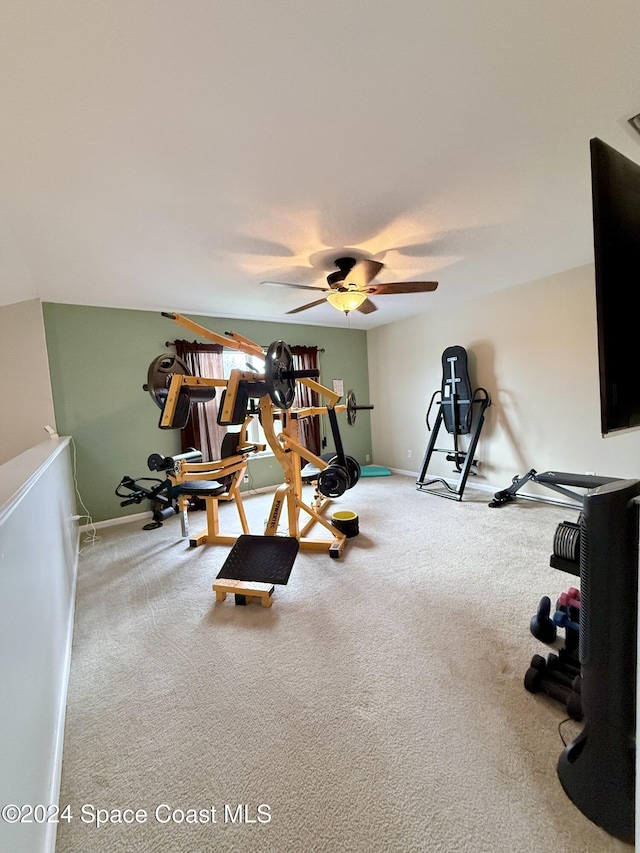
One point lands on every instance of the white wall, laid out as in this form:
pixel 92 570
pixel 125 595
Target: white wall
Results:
pixel 27 403
pixel 38 568
pixel 534 348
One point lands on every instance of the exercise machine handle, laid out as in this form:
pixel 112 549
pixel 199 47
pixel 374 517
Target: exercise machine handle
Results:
pixel 433 397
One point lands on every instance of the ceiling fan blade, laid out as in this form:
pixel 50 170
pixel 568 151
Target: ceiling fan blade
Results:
pixel 402 287
pixel 367 307
pixel 298 286
pixel 308 305
pixel 362 273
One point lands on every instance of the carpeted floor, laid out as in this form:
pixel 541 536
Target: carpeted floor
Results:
pixel 378 705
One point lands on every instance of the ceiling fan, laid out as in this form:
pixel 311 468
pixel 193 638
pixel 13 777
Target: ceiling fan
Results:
pixel 350 286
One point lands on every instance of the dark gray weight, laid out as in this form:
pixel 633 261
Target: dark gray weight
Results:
pixel 280 376
pixel 333 481
pixel 536 682
pixel 353 470
pixel 161 370
pixel 352 467
pixel 278 370
pixel 566 542
pixel 541 625
pixel 353 408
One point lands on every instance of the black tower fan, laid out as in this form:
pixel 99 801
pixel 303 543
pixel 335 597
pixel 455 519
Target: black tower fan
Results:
pixel 597 770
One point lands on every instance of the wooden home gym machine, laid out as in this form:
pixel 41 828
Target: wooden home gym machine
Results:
pixel 462 413
pixel 174 390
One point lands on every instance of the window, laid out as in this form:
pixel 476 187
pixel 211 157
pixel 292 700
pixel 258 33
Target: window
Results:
pixel 234 360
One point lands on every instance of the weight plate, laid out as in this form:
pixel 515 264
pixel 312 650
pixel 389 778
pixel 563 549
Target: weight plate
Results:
pixel 351 408
pixel 159 375
pixel 566 542
pixel 353 469
pixel 333 481
pixel 278 370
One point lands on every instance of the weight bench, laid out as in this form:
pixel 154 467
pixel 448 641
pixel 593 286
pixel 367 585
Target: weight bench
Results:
pixel 555 480
pixel 165 496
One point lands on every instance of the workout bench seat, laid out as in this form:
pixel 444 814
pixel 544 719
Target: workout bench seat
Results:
pixel 243 590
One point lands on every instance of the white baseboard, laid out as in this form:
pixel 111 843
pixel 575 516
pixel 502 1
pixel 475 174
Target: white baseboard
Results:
pixel 112 522
pixel 413 474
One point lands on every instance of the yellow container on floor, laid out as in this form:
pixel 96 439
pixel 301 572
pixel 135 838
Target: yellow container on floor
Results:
pixel 346 522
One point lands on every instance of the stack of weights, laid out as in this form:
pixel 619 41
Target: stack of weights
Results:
pixel 559 675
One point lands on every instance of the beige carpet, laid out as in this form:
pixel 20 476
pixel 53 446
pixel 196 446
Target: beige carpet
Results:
pixel 378 705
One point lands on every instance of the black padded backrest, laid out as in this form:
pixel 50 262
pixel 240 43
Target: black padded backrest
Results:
pixel 229 445
pixel 456 391
pixel 240 405
pixel 181 414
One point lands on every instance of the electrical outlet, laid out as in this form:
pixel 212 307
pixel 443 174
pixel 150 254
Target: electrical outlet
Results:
pixel 367 458
pixel 408 454
pixel 245 479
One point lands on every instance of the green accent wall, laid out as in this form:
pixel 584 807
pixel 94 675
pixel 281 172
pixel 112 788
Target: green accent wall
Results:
pixel 99 358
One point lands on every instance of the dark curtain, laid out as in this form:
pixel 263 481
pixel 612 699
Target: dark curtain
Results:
pixel 202 430
pixel 306 358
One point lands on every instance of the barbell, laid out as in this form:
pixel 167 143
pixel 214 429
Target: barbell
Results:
pixel 280 380
pixel 353 408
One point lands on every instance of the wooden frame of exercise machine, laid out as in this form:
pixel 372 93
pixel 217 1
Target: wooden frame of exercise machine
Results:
pixel 189 478
pixel 274 385
pixel 289 452
pixel 228 470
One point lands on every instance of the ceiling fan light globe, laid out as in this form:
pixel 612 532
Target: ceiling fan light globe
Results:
pixel 346 300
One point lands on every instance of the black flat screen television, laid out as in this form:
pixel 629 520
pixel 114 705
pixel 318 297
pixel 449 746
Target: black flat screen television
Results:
pixel 615 182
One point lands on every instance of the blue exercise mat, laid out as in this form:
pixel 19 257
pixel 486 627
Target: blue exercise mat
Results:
pixel 374 471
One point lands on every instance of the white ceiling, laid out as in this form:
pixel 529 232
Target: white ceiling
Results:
pixel 169 155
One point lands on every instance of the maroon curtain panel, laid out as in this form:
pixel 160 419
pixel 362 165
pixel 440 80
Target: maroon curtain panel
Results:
pixel 306 358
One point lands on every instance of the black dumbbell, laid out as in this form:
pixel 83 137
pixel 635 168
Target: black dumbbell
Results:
pixel 555 670
pixel 536 681
pixel 542 625
pixel 570 666
pixel 569 655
